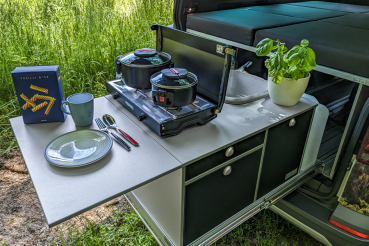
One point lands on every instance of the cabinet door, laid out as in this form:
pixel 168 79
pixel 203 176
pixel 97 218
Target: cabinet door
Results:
pixel 283 152
pixel 216 197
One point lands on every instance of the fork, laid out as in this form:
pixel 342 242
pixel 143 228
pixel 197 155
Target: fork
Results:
pixel 104 128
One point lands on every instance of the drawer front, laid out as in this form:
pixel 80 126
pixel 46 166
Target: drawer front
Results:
pixel 223 155
pixel 216 197
pixel 283 152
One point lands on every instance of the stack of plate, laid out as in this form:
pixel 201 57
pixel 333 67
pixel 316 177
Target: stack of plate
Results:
pixel 78 148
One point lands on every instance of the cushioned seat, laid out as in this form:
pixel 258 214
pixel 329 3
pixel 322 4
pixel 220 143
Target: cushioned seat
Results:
pixel 238 25
pixel 352 20
pixel 340 47
pixel 298 11
pixel 350 8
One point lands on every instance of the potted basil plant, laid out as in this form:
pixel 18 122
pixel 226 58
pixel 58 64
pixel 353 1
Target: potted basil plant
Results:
pixel 288 71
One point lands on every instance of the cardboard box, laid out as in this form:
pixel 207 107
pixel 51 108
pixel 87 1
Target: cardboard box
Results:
pixel 40 93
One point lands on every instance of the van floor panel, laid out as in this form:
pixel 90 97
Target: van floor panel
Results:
pixel 330 124
pixel 329 145
pixel 332 132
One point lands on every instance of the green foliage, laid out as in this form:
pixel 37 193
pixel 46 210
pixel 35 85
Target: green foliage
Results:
pixel 293 64
pixel 122 229
pixel 362 208
pixel 83 37
pixel 266 228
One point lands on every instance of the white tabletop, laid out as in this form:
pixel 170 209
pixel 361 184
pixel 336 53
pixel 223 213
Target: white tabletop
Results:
pixel 65 193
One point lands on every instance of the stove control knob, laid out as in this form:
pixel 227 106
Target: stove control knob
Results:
pixel 229 152
pixel 115 95
pixel 227 171
pixel 141 117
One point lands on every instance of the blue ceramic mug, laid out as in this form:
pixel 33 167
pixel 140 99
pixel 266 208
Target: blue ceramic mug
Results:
pixel 81 107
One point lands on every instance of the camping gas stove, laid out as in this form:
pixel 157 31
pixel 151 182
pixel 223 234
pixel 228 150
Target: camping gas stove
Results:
pixel 164 121
pixel 209 60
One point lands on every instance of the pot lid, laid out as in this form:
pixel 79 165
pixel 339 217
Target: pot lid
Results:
pixel 145 57
pixel 145 52
pixel 173 78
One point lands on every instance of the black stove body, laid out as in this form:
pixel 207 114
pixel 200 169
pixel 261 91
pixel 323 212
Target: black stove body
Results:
pixel 210 61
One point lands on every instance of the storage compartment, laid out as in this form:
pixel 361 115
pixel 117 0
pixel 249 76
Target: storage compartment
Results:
pixel 216 197
pixel 223 155
pixel 283 152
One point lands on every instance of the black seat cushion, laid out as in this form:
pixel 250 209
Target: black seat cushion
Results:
pixel 352 20
pixel 238 25
pixel 298 11
pixel 350 8
pixel 340 47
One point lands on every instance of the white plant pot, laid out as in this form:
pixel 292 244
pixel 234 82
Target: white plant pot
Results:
pixel 288 92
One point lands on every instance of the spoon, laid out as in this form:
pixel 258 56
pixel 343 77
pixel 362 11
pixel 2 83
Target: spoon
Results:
pixel 110 122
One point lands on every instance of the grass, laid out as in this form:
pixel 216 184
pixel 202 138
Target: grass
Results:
pixel 83 37
pixel 266 228
pixel 121 229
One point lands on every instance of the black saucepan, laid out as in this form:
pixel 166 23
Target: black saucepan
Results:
pixel 173 87
pixel 138 66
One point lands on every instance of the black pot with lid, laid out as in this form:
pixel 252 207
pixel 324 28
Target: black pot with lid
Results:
pixel 173 87
pixel 137 66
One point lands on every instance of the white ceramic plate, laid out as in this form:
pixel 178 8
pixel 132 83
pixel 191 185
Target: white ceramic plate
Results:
pixel 78 148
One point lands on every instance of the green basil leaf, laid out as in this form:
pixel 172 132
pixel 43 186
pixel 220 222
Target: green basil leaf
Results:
pixel 268 64
pixel 306 66
pixel 294 73
pixel 278 77
pixel 292 51
pixel 302 52
pixel 294 59
pixel 304 42
pixel 310 57
pixel 264 47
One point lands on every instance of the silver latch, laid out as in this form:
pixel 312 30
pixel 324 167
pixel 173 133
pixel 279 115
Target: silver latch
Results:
pixel 229 152
pixel 292 122
pixel 227 171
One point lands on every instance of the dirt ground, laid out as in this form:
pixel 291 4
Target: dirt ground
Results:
pixel 21 218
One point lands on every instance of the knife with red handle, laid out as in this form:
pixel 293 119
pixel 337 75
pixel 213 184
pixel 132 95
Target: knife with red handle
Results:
pixel 128 138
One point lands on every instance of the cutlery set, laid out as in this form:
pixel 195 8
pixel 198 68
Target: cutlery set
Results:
pixel 109 122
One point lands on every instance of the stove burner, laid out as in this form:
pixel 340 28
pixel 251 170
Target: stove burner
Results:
pixel 172 119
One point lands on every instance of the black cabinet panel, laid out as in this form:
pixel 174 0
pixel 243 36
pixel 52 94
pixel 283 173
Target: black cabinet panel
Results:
pixel 283 152
pixel 219 157
pixel 215 198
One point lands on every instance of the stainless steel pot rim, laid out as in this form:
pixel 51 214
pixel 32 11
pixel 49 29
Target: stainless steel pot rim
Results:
pixel 174 87
pixel 146 66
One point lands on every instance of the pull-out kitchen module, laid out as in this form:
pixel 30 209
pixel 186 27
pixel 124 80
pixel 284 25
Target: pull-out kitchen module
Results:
pixel 244 159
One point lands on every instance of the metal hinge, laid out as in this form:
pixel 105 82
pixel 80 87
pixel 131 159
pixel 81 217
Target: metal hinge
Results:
pixel 352 162
pixel 230 51
pixel 321 167
pixel 220 49
pixel 266 204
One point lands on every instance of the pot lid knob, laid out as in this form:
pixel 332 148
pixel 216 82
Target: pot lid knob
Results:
pixel 174 73
pixel 145 52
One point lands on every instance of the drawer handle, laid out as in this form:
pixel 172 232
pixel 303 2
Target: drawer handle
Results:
pixel 227 171
pixel 292 122
pixel 229 152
